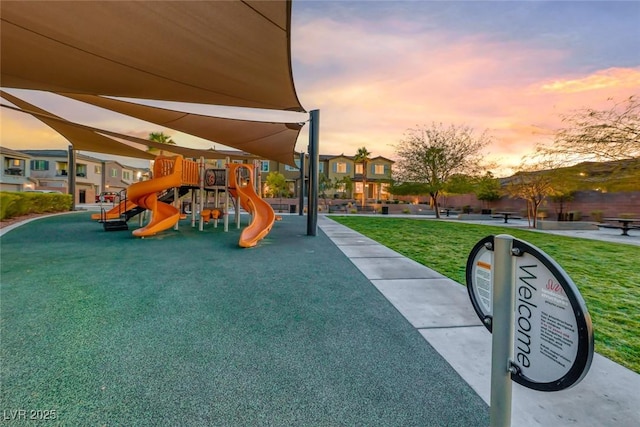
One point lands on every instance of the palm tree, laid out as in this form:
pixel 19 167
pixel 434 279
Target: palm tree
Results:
pixel 160 138
pixel 363 156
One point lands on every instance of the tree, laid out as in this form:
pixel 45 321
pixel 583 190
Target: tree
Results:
pixel 324 184
pixel 344 185
pixel 276 185
pixel 160 138
pixel 533 183
pixel 363 156
pixel 488 188
pixel 591 134
pixel 430 156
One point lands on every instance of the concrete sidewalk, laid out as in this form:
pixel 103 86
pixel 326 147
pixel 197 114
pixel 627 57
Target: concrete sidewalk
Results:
pixel 440 310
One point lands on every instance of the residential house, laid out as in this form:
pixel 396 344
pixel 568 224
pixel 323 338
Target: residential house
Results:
pixel 348 178
pixel 16 171
pixel 51 170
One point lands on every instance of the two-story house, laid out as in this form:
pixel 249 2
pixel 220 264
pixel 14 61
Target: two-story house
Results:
pixel 51 170
pixel 16 171
pixel 93 176
pixel 349 180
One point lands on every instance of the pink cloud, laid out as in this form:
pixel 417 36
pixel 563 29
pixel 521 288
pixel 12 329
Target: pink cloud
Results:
pixel 375 86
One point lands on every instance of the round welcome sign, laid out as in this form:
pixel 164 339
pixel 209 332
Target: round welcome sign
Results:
pixel 553 335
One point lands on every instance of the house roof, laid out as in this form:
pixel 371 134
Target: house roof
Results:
pixel 14 153
pixel 327 157
pixel 59 154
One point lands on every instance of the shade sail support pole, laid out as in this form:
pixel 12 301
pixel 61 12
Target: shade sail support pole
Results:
pixel 302 185
pixel 314 157
pixel 71 176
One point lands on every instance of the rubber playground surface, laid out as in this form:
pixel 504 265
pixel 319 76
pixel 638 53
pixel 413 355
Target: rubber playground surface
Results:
pixel 186 328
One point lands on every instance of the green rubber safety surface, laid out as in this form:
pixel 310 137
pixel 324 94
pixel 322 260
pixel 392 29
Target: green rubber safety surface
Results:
pixel 186 328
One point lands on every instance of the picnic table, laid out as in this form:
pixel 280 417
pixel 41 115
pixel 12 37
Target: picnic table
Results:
pixel 626 224
pixel 506 216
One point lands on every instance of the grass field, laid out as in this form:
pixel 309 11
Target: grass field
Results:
pixel 607 274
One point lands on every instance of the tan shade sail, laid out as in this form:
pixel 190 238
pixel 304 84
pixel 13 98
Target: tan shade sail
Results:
pixel 233 53
pixel 275 141
pixel 88 138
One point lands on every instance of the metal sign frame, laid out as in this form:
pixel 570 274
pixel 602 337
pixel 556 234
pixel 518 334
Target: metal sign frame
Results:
pixel 584 354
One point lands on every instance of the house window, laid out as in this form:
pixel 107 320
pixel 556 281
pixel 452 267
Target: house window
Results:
pixel 39 165
pixel 126 175
pixel 384 188
pixel 321 167
pixel 341 167
pixel 358 187
pixel 81 171
pixel 97 170
pixel 264 165
pixel 378 169
pixel 341 187
pixel 61 168
pixel 114 173
pixel 238 162
pixel 291 168
pixel 359 168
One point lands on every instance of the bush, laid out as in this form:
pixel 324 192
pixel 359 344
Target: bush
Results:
pixel 13 204
pixel 406 211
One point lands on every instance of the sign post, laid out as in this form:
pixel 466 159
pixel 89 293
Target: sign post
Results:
pixel 542 332
pixel 502 336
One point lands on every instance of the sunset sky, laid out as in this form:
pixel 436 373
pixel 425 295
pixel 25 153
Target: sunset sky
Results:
pixel 377 68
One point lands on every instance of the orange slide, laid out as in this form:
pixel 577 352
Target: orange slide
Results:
pixel 116 211
pixel 145 194
pixel 262 215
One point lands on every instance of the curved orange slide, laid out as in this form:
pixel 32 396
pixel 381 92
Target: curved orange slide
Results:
pixel 262 215
pixel 145 194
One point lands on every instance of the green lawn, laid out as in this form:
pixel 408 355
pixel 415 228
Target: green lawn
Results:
pixel 607 274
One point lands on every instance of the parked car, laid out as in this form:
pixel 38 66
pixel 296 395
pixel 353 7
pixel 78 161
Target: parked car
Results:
pixel 107 197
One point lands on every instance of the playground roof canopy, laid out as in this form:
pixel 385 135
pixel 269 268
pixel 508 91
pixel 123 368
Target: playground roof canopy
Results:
pixel 99 140
pixel 233 53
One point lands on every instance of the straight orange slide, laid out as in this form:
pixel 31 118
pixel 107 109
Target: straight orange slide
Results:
pixel 145 194
pixel 262 215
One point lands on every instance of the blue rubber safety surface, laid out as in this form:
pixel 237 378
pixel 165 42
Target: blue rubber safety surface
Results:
pixel 186 328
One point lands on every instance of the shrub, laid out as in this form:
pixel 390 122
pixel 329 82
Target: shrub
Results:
pixel 406 211
pixel 15 204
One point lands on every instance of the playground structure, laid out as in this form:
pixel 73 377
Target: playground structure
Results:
pixel 172 178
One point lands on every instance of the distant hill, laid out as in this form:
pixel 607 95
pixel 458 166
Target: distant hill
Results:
pixel 613 176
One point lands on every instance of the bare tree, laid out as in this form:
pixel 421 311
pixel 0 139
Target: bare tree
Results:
pixel 590 134
pixel 431 155
pixel 533 182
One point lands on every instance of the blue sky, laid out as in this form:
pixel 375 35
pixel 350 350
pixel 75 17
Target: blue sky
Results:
pixel 377 68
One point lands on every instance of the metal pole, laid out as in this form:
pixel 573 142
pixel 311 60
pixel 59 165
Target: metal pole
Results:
pixel 314 157
pixel 176 204
pixel 502 331
pixel 198 211
pixel 302 186
pixel 71 176
pixel 227 177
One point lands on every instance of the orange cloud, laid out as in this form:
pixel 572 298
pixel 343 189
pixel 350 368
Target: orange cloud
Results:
pixel 612 78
